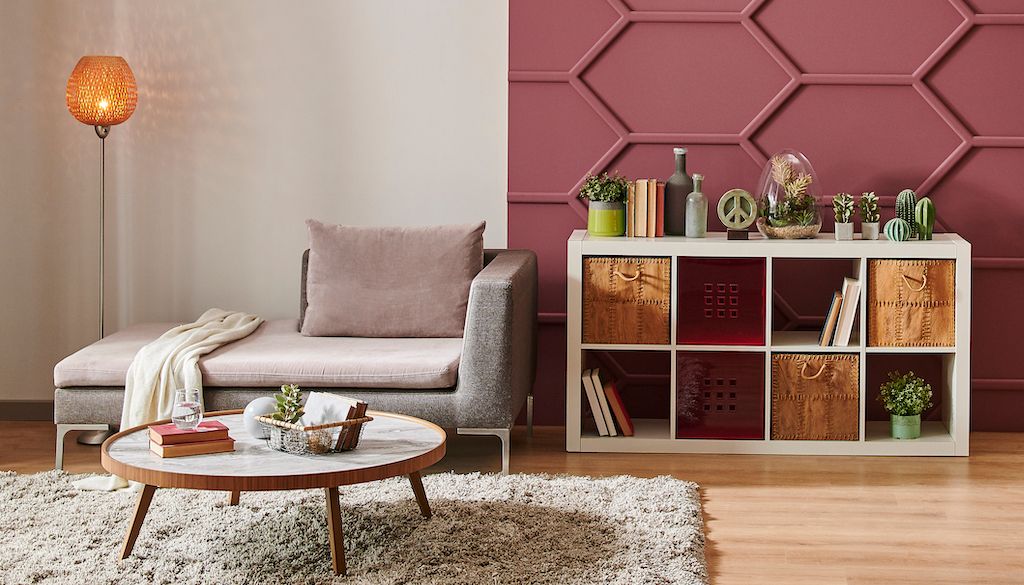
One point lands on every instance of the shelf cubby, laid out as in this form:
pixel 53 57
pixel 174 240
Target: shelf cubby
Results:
pixel 666 399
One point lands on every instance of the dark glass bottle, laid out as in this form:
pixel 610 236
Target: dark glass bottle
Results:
pixel 677 187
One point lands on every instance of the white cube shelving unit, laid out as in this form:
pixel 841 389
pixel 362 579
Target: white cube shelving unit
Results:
pixel 948 437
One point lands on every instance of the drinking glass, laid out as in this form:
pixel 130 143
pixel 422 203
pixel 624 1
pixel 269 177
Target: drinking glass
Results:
pixel 187 411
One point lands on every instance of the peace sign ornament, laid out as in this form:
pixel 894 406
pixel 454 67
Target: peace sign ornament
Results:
pixel 737 210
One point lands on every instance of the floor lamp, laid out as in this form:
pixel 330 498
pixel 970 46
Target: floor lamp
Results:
pixel 101 92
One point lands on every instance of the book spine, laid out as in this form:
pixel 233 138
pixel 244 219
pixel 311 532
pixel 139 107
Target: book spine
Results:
pixel 640 216
pixel 659 222
pixel 630 209
pixel 652 208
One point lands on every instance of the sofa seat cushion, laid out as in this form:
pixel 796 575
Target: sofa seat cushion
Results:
pixel 276 353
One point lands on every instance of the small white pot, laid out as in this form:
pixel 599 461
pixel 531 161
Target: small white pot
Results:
pixel 844 231
pixel 869 231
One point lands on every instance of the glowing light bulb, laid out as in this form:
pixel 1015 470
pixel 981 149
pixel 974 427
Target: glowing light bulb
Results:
pixel 104 104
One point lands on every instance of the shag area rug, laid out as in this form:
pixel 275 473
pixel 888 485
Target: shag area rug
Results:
pixel 485 529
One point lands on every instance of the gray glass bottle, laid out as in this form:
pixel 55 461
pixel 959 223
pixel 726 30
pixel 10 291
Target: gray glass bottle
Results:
pixel 696 210
pixel 677 187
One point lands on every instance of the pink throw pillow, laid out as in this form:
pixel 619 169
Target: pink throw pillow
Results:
pixel 390 281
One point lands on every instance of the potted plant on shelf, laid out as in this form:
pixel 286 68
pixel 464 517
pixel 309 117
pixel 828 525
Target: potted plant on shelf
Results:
pixel 905 397
pixel 842 208
pixel 869 216
pixel 607 196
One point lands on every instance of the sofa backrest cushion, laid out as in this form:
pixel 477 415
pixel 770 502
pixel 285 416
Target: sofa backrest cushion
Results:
pixel 390 281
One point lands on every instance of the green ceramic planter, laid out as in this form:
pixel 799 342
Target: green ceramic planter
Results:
pixel 606 219
pixel 905 427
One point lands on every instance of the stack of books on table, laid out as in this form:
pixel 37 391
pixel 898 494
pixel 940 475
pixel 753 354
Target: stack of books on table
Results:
pixel 210 436
pixel 842 314
pixel 606 405
pixel 645 209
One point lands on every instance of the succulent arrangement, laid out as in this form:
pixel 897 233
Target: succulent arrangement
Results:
pixel 605 187
pixel 905 204
pixel 842 207
pixel 905 394
pixel 289 404
pixel 869 207
pixel 797 207
pixel 924 217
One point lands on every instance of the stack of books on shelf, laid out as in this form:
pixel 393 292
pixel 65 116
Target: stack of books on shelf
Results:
pixel 645 209
pixel 210 436
pixel 606 406
pixel 841 315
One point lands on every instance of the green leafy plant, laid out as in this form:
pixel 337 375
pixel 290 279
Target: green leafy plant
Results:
pixel 869 207
pixel 289 404
pixel 796 207
pixel 842 207
pixel 605 187
pixel 905 394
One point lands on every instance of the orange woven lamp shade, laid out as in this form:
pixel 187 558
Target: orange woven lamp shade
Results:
pixel 101 91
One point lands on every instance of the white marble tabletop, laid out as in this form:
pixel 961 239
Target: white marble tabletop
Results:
pixel 385 440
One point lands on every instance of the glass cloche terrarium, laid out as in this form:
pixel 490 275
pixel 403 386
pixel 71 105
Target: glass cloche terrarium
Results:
pixel 787 205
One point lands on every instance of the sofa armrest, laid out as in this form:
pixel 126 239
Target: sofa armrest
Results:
pixel 499 351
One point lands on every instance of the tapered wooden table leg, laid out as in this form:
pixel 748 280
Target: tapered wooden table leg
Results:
pixel 421 495
pixel 233 500
pixel 141 507
pixel 335 533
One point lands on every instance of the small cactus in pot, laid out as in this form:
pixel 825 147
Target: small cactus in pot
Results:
pixel 869 216
pixel 897 230
pixel 842 207
pixel 924 216
pixel 905 204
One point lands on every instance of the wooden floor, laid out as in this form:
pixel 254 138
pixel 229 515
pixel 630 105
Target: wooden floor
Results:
pixel 773 519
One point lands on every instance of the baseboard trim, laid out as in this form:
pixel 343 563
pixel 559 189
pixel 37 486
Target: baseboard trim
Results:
pixel 26 410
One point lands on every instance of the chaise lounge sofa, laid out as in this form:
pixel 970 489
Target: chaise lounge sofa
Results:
pixel 476 384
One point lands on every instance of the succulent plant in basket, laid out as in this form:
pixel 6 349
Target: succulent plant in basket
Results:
pixel 289 404
pixel 905 397
pixel 607 196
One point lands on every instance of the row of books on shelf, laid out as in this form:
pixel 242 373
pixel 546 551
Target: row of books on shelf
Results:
pixel 645 209
pixel 606 405
pixel 210 436
pixel 842 313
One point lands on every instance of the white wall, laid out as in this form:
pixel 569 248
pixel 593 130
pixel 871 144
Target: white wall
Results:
pixel 252 117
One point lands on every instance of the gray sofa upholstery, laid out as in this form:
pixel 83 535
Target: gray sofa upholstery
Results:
pixel 494 379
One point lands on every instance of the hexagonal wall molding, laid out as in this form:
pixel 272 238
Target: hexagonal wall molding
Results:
pixel 862 138
pixel 866 36
pixel 685 77
pixel 982 81
pixel 555 35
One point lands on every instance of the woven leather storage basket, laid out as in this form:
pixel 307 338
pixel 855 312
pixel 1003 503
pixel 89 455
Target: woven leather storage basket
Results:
pixel 626 300
pixel 911 303
pixel 815 397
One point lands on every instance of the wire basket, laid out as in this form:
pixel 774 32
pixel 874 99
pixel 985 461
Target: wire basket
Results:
pixel 315 439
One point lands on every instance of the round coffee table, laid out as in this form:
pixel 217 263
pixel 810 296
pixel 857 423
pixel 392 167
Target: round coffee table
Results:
pixel 390 445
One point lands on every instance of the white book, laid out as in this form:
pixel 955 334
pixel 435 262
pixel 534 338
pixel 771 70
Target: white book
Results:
pixel 595 406
pixel 640 209
pixel 848 312
pixel 602 399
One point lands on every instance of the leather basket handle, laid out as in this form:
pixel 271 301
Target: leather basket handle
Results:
pixel 628 278
pixel 803 371
pixel 924 282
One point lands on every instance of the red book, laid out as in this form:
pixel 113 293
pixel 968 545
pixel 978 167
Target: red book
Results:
pixel 618 409
pixel 659 221
pixel 186 449
pixel 168 434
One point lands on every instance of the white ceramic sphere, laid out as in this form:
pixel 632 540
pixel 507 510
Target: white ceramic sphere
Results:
pixel 259 407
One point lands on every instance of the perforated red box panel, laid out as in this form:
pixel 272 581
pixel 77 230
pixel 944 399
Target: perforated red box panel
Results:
pixel 721 301
pixel 720 395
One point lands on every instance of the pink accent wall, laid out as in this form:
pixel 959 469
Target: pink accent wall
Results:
pixel 880 95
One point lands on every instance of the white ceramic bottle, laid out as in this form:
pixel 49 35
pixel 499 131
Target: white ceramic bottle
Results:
pixel 696 210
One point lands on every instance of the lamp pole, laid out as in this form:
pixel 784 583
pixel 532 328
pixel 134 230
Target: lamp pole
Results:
pixel 102 132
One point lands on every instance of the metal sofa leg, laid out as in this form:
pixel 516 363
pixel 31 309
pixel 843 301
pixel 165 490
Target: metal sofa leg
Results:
pixel 503 434
pixel 63 430
pixel 529 416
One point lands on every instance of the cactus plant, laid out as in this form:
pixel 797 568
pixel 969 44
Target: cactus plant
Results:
pixel 869 207
pixel 897 230
pixel 905 203
pixel 842 207
pixel 924 216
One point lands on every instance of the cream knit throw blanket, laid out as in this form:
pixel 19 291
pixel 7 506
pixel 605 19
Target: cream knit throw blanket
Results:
pixel 167 364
